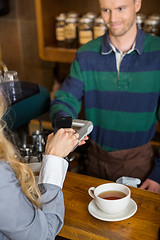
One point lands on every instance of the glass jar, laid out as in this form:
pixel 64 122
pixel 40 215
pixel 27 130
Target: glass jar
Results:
pixel 140 20
pixel 12 86
pixel 91 15
pixel 60 27
pixel 99 28
pixel 73 14
pixel 155 16
pixel 152 26
pixel 85 30
pixel 70 32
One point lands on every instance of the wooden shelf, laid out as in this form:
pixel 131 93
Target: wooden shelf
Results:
pixel 56 54
pixel 47 10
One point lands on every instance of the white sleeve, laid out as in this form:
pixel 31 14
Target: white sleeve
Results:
pixel 53 170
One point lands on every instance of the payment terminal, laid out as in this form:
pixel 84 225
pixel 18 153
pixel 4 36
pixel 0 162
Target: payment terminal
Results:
pixel 82 127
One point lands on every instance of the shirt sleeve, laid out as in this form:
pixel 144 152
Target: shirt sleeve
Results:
pixel 53 170
pixel 67 101
pixel 155 173
pixel 19 219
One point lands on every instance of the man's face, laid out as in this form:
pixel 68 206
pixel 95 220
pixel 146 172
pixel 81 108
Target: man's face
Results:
pixel 119 15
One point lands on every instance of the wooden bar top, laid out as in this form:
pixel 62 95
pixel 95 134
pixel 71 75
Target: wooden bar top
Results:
pixel 79 224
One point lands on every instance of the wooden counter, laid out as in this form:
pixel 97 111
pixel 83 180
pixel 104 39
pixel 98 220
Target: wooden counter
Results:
pixel 79 224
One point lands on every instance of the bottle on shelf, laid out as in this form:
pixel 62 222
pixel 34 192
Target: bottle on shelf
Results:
pixel 140 18
pixel 99 28
pixel 85 30
pixel 73 14
pixel 71 32
pixel 60 28
pixel 151 26
pixel 91 15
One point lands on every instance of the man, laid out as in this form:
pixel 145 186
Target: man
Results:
pixel 119 76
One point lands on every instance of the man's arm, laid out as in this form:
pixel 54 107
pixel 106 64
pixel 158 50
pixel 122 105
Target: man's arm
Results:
pixel 67 101
pixel 152 183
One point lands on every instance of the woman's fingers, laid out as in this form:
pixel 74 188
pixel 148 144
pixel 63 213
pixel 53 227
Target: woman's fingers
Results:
pixel 62 143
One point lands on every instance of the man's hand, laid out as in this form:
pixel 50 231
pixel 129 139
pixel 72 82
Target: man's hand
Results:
pixel 151 186
pixel 83 141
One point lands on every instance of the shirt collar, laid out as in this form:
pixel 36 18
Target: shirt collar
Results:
pixel 107 49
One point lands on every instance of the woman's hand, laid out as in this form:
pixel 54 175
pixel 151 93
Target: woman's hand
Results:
pixel 62 143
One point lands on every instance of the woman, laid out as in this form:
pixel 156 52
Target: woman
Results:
pixel 27 211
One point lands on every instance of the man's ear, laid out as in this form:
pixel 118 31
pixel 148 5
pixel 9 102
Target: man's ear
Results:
pixel 138 4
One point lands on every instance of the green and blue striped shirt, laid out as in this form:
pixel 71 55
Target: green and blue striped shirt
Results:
pixel 124 107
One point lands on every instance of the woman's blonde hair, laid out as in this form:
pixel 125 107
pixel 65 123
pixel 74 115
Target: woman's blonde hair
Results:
pixel 9 154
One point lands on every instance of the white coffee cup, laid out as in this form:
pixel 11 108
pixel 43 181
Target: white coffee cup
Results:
pixel 111 206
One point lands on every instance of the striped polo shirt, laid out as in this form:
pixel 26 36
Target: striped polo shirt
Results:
pixel 124 107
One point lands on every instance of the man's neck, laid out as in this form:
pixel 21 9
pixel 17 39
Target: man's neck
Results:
pixel 124 43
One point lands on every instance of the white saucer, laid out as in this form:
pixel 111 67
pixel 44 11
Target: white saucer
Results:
pixel 127 213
